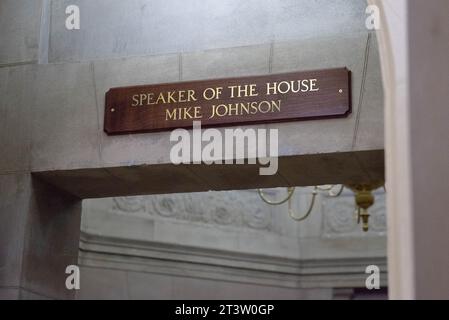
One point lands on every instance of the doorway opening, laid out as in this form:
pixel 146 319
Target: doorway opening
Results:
pixel 230 245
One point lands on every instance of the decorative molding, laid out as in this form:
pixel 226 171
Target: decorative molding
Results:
pixel 128 204
pixel 232 208
pixel 178 260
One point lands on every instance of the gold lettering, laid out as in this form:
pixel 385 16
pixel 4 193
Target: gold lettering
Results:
pixel 271 87
pixel 191 95
pixel 233 108
pixel 181 97
pixel 224 109
pixel 293 86
pixel 171 116
pixel 142 97
pixel 135 100
pixel 150 98
pixel 287 89
pixel 253 107
pixel 186 113
pixel 242 91
pixel 252 91
pixel 276 105
pixel 183 113
pixel 206 95
pixel 245 107
pixel 264 103
pixel 236 109
pixel 161 98
pixel 313 84
pixel 232 91
pixel 247 90
pixel 197 112
pixel 304 85
pixel 170 97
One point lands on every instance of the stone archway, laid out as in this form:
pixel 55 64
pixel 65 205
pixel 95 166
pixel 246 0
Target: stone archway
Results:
pixel 413 44
pixel 394 17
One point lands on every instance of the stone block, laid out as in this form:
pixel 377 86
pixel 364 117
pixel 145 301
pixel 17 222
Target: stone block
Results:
pixel 336 168
pixel 145 148
pixel 114 28
pixel 102 284
pixel 223 63
pixel 335 135
pixel 40 228
pixel 149 286
pixel 14 205
pixel 186 288
pixel 231 177
pixel 167 178
pixel 51 241
pixel 65 122
pixel 20 25
pixel 125 181
pixel 370 130
pixel 16 90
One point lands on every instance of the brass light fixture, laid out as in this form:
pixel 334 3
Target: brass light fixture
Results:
pixel 364 199
pixel 363 192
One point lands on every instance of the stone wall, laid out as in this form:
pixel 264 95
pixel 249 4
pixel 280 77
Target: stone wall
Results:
pixel 55 110
pixel 52 87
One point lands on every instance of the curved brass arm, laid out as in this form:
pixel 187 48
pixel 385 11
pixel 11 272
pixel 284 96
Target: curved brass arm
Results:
pixel 309 210
pixel 290 191
pixel 326 187
pixel 331 194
